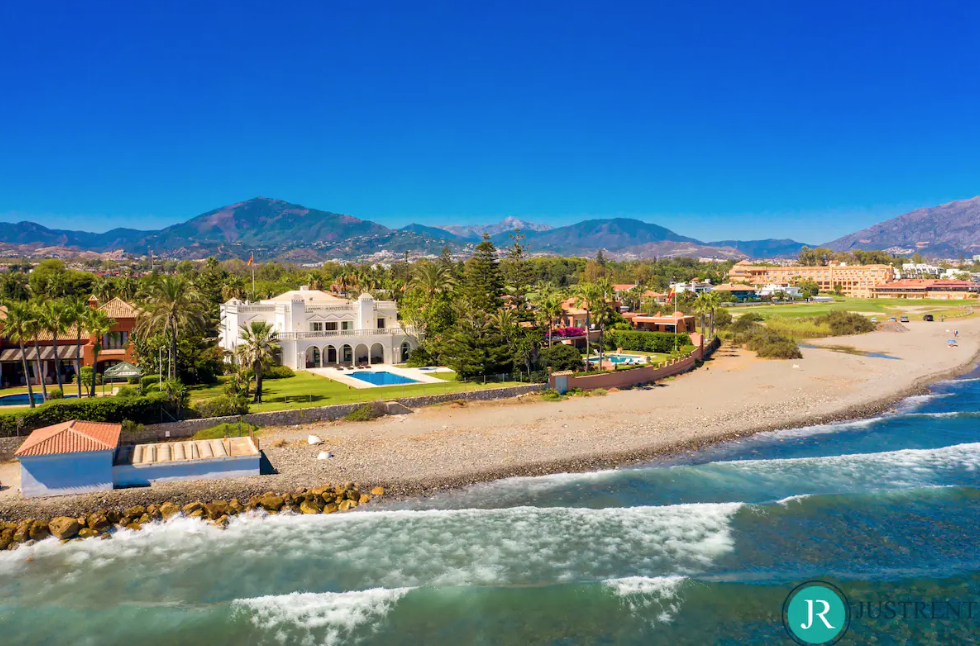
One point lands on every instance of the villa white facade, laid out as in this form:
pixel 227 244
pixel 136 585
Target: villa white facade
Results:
pixel 317 329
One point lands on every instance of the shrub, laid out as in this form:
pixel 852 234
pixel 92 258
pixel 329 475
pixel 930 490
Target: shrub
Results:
pixel 55 393
pixel 568 332
pixel 129 426
pixel 278 372
pixel 600 392
pixel 662 342
pixel 723 318
pixel 560 357
pixel 149 383
pixel 784 349
pixel 86 373
pixel 133 381
pixel 221 406
pixel 419 358
pixel 550 395
pixel 366 412
pixel 126 391
pixel 144 410
pixel 846 323
pixel 228 429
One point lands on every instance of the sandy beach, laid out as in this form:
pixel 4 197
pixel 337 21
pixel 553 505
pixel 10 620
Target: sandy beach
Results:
pixel 451 445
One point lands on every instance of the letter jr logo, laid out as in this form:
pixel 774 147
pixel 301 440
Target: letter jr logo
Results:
pixel 816 613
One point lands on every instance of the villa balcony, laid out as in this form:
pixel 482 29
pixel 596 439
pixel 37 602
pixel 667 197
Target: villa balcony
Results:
pixel 303 336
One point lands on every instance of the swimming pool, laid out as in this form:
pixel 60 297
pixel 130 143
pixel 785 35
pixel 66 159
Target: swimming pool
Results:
pixel 21 399
pixel 620 358
pixel 382 378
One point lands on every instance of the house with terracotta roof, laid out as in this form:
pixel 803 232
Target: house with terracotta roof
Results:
pixel 117 346
pixel 672 322
pixel 68 458
pixel 917 288
pixel 81 457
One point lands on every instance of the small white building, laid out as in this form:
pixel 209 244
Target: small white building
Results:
pixel 775 288
pixel 317 329
pixel 920 270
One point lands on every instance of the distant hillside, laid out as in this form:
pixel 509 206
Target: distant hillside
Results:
pixel 435 233
pixel 502 228
pixel 612 235
pixel 769 248
pixel 948 230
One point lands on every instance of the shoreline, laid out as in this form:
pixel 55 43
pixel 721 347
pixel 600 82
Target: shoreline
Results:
pixel 373 453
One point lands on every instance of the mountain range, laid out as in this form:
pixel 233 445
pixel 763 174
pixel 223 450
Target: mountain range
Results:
pixel 275 229
pixel 944 231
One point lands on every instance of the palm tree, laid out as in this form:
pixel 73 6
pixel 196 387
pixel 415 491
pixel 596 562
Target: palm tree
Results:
pixel 594 297
pixel 702 305
pixel 548 302
pixel 17 328
pixel 76 310
pixel 174 305
pixel 54 316
pixel 98 324
pixel 103 288
pixel 715 303
pixel 34 327
pixel 258 344
pixel 431 277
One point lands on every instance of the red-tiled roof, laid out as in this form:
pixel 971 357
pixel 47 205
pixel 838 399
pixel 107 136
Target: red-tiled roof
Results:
pixel 71 437
pixel 117 309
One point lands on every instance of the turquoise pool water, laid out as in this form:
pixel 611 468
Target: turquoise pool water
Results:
pixel 383 378
pixel 619 358
pixel 22 399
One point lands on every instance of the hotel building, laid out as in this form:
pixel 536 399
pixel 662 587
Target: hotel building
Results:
pixel 854 280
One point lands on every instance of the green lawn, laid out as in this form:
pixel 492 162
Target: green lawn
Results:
pixel 306 390
pixel 884 306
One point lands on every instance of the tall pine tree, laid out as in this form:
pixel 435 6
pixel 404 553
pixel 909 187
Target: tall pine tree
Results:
pixel 483 284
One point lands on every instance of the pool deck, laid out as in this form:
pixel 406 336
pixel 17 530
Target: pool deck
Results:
pixel 344 376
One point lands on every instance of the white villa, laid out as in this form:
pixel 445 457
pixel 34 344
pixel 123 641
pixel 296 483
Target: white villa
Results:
pixel 318 330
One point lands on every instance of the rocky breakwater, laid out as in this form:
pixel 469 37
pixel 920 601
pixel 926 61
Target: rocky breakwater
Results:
pixel 326 499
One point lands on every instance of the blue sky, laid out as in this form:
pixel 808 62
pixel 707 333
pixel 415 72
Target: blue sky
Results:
pixel 716 119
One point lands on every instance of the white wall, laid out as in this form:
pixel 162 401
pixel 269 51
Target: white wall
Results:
pixel 70 473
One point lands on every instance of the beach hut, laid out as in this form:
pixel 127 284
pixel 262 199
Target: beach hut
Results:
pixel 68 458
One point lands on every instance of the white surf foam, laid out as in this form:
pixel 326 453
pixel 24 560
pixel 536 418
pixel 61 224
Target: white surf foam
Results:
pixel 326 618
pixel 644 595
pixel 396 549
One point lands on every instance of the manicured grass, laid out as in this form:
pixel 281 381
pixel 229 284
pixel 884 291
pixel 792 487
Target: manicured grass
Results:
pixel 885 306
pixel 306 390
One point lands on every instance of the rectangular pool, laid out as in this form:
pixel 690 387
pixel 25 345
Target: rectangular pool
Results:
pixel 382 378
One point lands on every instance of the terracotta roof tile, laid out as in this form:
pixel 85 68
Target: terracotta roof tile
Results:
pixel 71 437
pixel 117 308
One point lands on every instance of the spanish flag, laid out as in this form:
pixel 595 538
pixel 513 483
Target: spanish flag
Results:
pixel 250 257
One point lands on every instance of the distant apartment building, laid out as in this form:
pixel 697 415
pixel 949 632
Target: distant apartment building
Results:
pixel 853 280
pixel 920 270
pixel 917 288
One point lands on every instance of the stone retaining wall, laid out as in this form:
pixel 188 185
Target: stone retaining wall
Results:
pixel 186 428
pixel 9 446
pixel 632 376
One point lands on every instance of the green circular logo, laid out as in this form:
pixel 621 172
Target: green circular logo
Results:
pixel 816 612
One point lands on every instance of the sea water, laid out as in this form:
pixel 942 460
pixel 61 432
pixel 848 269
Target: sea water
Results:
pixel 700 549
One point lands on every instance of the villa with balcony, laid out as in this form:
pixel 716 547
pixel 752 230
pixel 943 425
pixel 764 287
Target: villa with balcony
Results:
pixel 320 330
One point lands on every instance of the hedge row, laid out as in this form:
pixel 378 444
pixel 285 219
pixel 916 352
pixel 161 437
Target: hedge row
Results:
pixel 663 342
pixel 142 410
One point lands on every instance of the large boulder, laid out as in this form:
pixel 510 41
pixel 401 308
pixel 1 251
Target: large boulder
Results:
pixel 63 527
pixel 99 521
pixel 378 491
pixel 169 509
pixel 271 502
pixel 216 509
pixel 135 511
pixel 193 510
pixel 23 532
pixel 309 507
pixel 39 531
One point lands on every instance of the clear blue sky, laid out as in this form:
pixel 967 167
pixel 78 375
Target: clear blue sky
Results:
pixel 716 119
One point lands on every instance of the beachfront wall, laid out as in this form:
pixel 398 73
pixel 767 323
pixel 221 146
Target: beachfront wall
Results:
pixel 65 474
pixel 141 475
pixel 565 381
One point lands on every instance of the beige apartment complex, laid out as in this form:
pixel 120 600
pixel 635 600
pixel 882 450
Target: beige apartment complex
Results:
pixel 854 280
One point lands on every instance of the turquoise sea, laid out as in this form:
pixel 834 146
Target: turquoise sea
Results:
pixel 701 549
